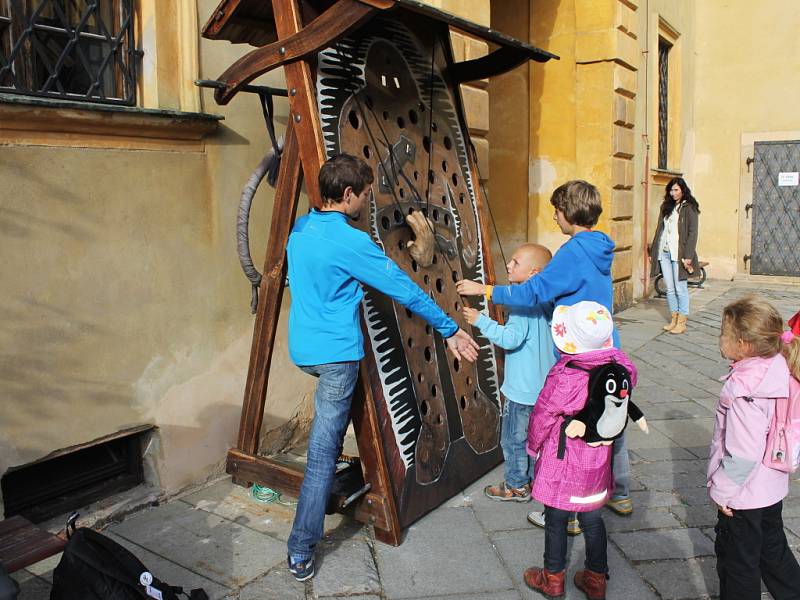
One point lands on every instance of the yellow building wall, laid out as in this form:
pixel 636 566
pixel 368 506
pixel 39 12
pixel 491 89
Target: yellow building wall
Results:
pixel 745 89
pixel 124 300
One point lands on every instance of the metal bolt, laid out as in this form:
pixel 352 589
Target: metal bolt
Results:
pixel 296 118
pixel 281 50
pixel 369 501
pixel 293 92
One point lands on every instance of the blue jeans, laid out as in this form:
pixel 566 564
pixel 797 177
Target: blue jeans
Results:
pixel 621 468
pixel 332 414
pixel 677 290
pixel 555 539
pixel 514 441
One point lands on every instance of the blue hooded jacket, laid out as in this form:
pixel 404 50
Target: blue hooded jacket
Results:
pixel 580 270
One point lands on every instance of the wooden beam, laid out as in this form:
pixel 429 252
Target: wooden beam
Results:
pixel 293 43
pixel 270 293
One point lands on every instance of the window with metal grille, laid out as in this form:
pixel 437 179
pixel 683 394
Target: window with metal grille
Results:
pixel 69 49
pixel 663 100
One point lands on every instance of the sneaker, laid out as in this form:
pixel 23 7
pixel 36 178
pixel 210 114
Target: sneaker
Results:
pixel 301 570
pixel 536 517
pixel 504 493
pixel 621 506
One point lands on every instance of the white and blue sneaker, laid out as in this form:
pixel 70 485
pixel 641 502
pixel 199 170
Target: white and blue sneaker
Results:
pixel 301 569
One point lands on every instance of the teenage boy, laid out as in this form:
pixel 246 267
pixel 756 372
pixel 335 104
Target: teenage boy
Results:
pixel 328 261
pixel 580 270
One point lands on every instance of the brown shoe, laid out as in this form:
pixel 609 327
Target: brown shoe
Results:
pixel 550 585
pixel 504 493
pixel 681 326
pixel 592 584
pixel 671 325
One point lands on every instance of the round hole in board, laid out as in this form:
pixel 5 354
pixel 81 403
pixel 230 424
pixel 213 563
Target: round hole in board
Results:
pixel 420 377
pixel 423 408
pixel 412 116
pixel 457 307
pixel 444 166
pixel 401 244
pixel 385 222
pixel 368 101
pixel 439 419
pixel 428 329
pixel 426 279
pixel 435 260
pixel 455 179
pixel 448 143
pixel 402 193
pixel 410 342
pixel 444 199
pixel 401 122
pixel 416 175
pixel 355 122
pixel 456 364
pixel 461 198
pixel 426 143
pixel 433 126
pixel 367 152
pixel 434 390
pixel 447 218
pixel 398 216
pixel 427 353
pixel 469 380
pixel 463 402
pixel 431 176
pixel 409 314
pixel 435 214
pixel 439 285
pixel 414 266
pixel 385 115
pixel 455 276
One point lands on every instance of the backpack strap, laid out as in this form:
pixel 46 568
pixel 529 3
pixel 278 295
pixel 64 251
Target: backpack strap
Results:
pixel 562 438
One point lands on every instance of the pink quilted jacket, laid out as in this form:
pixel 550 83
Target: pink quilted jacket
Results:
pixel 582 480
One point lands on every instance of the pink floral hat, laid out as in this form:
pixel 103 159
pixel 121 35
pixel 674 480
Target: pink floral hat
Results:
pixel 582 327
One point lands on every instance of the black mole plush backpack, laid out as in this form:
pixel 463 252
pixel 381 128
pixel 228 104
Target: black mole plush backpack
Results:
pixel 608 405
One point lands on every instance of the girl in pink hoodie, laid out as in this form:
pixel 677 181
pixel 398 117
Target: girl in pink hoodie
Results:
pixel 750 541
pixel 572 475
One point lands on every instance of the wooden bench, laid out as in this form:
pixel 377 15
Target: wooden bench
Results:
pixel 22 543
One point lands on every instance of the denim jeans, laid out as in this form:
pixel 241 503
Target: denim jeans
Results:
pixel 332 414
pixel 677 290
pixel 514 441
pixel 555 539
pixel 621 467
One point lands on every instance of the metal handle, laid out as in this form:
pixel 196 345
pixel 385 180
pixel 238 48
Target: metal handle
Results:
pixel 747 208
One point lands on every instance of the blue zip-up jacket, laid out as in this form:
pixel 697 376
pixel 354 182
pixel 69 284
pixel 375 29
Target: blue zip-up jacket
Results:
pixel 327 261
pixel 580 270
pixel 528 343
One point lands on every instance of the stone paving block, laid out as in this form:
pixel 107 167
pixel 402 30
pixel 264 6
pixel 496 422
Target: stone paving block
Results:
pixel 660 454
pixel 44 568
pixel 498 595
pixel 31 587
pixel 447 545
pixel 704 515
pixel 345 567
pixel 642 518
pixel 494 515
pixel 694 496
pixel 521 550
pixel 682 579
pixel 701 451
pixel 653 499
pixel 278 584
pixel 234 502
pixel 639 439
pixel 668 482
pixel 663 544
pixel 219 549
pixel 168 571
pixel 694 465
pixel 673 410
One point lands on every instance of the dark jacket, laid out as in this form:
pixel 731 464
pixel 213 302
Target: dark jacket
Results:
pixel 688 221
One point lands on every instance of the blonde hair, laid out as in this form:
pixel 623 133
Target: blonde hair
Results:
pixel 579 201
pixel 759 324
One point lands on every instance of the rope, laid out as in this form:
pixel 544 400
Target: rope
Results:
pixel 265 495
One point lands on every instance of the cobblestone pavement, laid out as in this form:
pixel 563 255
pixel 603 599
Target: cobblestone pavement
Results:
pixel 473 548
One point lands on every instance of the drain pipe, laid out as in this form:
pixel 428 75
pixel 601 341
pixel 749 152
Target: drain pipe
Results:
pixel 646 140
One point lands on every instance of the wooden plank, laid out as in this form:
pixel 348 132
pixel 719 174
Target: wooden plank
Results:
pixel 266 472
pixel 335 22
pixel 22 543
pixel 270 294
pixel 372 455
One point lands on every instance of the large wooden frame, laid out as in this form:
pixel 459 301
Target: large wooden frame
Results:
pixel 291 33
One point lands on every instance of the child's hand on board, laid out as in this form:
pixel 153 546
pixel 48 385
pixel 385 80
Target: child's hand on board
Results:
pixel 466 287
pixel 470 315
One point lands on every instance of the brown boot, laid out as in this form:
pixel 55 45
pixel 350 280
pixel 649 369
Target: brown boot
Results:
pixel 592 584
pixel 671 325
pixel 681 326
pixel 550 585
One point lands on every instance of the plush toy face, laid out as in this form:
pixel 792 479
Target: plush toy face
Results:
pixel 616 386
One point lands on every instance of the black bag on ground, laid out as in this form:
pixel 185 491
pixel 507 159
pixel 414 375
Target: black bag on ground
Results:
pixel 9 589
pixel 95 567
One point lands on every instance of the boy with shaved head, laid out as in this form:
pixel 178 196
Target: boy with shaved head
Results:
pixel 528 344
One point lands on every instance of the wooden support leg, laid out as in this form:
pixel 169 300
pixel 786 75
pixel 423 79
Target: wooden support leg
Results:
pixel 270 296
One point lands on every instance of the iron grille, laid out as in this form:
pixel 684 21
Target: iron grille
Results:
pixel 69 49
pixel 663 100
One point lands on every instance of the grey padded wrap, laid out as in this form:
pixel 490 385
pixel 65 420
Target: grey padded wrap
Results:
pixel 738 469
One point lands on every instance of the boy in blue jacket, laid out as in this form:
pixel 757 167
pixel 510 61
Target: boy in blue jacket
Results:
pixel 529 356
pixel 580 270
pixel 328 261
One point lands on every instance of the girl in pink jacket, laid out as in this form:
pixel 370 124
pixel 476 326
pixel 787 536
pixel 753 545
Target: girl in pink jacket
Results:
pixel 572 475
pixel 750 542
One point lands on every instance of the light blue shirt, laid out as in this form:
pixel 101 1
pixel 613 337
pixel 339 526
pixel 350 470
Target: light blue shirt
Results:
pixel 528 343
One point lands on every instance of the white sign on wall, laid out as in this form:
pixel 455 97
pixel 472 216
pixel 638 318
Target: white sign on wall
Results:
pixel 788 179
